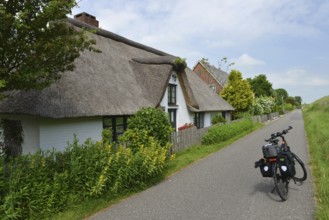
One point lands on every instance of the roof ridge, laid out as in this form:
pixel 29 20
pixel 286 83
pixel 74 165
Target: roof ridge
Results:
pixel 116 37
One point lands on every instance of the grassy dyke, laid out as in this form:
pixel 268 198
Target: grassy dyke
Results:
pixel 316 118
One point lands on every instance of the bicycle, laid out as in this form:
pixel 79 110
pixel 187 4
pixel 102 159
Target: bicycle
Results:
pixel 280 163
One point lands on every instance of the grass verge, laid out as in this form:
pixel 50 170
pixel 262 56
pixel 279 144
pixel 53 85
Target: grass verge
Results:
pixel 316 118
pixel 182 159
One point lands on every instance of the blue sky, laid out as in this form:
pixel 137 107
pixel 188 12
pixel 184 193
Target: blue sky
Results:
pixel 287 40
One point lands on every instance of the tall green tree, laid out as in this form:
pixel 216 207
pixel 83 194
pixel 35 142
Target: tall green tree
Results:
pixel 238 92
pixel 298 100
pixel 281 94
pixel 261 86
pixel 37 43
pixel 291 100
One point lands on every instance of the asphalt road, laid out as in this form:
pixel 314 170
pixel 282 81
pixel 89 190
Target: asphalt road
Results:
pixel 225 185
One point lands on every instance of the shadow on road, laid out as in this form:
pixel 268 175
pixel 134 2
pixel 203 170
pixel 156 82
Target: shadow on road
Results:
pixel 266 187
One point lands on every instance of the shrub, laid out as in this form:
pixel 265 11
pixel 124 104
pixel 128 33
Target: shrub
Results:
pixel 134 138
pixel 256 109
pixel 262 105
pixel 221 132
pixel 180 64
pixel 37 186
pixel 154 121
pixel 218 119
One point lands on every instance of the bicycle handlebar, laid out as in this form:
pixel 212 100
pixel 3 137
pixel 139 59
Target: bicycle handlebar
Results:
pixel 278 134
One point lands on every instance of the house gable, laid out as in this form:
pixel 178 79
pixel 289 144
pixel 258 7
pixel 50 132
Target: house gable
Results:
pixel 212 76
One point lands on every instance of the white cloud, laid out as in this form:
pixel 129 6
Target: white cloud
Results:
pixel 246 61
pixel 298 77
pixel 218 21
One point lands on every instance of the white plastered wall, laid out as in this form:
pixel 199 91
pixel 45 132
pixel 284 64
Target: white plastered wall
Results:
pixel 182 115
pixel 58 132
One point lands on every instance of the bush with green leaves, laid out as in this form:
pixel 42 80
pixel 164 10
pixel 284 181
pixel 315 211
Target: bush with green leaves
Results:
pixel 222 132
pixel 180 64
pixel 154 121
pixel 263 105
pixel 256 109
pixel 39 185
pixel 218 119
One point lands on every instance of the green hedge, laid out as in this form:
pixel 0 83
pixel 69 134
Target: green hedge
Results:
pixel 222 132
pixel 40 185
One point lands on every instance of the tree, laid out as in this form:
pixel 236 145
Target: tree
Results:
pixel 298 100
pixel 261 86
pixel 281 94
pixel 37 43
pixel 238 92
pixel 204 60
pixel 291 100
pixel 223 62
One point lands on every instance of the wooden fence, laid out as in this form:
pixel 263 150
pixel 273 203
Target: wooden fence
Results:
pixel 189 137
pixel 186 138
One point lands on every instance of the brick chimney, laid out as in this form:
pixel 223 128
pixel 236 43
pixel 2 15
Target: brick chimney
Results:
pixel 87 18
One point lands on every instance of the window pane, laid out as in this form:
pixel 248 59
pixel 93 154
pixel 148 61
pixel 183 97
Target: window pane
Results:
pixel 107 122
pixel 172 94
pixel 120 129
pixel 119 121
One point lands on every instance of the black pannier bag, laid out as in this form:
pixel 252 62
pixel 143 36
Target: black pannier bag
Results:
pixel 271 150
pixel 286 165
pixel 266 169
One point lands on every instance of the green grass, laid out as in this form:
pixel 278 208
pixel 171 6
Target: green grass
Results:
pixel 316 118
pixel 182 159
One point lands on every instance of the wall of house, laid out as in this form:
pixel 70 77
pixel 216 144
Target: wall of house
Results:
pixel 31 142
pixel 58 132
pixel 30 127
pixel 207 118
pixel 200 71
pixel 183 115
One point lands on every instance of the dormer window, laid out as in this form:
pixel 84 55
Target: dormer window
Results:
pixel 172 98
pixel 174 77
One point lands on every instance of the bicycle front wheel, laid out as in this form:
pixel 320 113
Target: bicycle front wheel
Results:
pixel 301 174
pixel 281 184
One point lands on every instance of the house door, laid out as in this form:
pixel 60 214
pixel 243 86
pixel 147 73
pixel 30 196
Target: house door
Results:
pixel 172 117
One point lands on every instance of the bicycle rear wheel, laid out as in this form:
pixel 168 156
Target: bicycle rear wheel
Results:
pixel 301 174
pixel 281 184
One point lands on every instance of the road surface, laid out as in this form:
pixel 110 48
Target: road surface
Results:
pixel 225 185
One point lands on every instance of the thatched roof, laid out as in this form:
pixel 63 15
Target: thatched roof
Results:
pixel 119 81
pixel 205 97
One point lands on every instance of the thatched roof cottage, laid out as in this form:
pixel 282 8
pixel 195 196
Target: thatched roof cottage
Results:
pixel 105 89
